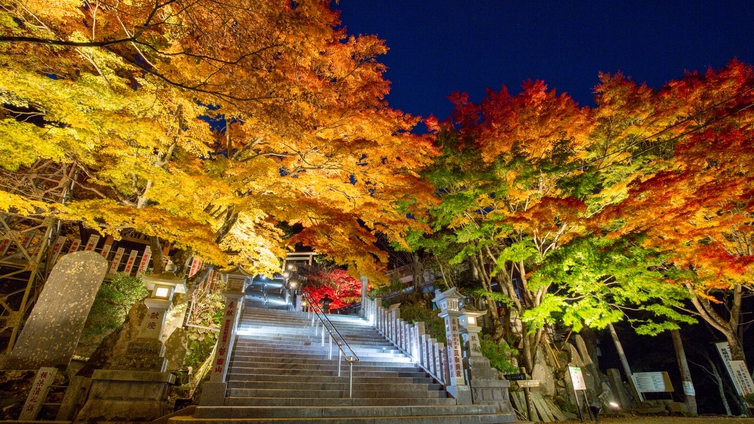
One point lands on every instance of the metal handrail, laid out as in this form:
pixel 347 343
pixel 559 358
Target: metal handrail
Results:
pixel 333 332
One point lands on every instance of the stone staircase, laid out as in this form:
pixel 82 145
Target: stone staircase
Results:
pixel 280 373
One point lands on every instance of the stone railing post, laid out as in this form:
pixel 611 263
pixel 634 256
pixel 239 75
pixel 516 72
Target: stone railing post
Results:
pixel 418 331
pixel 213 391
pixel 449 303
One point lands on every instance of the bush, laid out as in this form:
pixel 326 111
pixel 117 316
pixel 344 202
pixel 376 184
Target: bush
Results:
pixel 499 354
pixel 110 308
pixel 433 325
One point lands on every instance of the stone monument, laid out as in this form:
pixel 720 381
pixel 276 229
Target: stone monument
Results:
pixel 52 331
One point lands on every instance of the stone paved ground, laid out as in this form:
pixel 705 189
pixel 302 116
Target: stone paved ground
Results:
pixel 716 419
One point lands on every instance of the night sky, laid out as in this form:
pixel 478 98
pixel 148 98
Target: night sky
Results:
pixel 441 46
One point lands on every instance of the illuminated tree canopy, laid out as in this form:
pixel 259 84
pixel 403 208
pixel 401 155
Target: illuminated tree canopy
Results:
pixel 208 123
pixel 220 126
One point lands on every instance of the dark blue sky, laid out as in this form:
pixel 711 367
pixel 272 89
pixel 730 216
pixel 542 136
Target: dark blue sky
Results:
pixel 441 46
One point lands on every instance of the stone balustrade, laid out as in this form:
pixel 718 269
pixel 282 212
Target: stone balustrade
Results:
pixel 412 339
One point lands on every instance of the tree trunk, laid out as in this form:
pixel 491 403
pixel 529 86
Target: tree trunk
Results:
pixel 157 262
pixel 417 273
pixel 624 362
pixel 720 385
pixel 683 367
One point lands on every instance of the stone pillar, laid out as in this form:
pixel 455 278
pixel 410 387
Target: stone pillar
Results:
pixel 364 288
pixel 135 386
pixel 486 387
pixel 448 301
pixel 213 391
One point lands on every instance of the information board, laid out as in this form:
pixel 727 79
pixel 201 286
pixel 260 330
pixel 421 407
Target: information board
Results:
pixel 577 378
pixel 652 382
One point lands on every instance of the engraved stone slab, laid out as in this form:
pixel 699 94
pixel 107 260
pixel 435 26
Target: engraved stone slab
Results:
pixel 51 333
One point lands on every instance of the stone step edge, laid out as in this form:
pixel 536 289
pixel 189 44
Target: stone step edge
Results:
pixel 339 411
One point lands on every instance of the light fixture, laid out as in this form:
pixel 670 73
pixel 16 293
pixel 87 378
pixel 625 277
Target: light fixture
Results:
pixel 162 292
pixel 294 283
pixel 471 320
pixel 286 274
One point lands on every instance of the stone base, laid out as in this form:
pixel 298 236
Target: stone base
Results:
pixel 462 394
pixel 126 396
pixel 492 392
pixel 213 394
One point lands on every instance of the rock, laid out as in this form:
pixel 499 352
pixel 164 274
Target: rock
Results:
pixel 544 374
pixel 175 348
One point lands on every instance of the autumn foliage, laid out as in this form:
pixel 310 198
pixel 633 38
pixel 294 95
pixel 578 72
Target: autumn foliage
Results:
pixel 210 124
pixel 343 289
pixel 585 215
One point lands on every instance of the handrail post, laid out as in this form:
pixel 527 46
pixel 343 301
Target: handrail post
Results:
pixel 340 355
pixel 350 380
pixel 330 341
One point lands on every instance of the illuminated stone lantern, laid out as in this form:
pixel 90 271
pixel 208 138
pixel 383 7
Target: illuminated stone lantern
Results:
pixel 486 387
pixel 449 303
pixel 162 287
pixel 135 386
pixel 470 329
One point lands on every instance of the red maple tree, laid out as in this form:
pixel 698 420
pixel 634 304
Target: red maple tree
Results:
pixel 343 289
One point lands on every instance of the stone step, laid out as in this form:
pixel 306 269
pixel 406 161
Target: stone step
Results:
pixel 340 411
pixel 345 401
pixel 319 359
pixel 366 379
pixel 332 384
pixel 242 373
pixel 427 419
pixel 330 368
pixel 366 392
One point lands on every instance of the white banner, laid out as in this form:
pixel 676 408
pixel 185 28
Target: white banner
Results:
pixel 737 370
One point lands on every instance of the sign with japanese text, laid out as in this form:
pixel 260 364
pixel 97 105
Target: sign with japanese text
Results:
pixel 455 364
pixel 144 261
pixel 106 248
pixel 57 248
pixel 737 370
pixel 577 378
pixel 131 261
pixel 224 342
pixel 92 243
pixel 74 246
pixel 652 382
pixel 151 327
pixel 116 260
pixel 196 264
pixel 38 393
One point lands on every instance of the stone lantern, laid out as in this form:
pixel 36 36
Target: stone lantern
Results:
pixel 470 329
pixel 486 387
pixel 146 353
pixel 449 303
pixel 135 386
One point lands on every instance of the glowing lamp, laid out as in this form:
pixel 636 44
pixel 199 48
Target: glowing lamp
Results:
pixel 162 292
